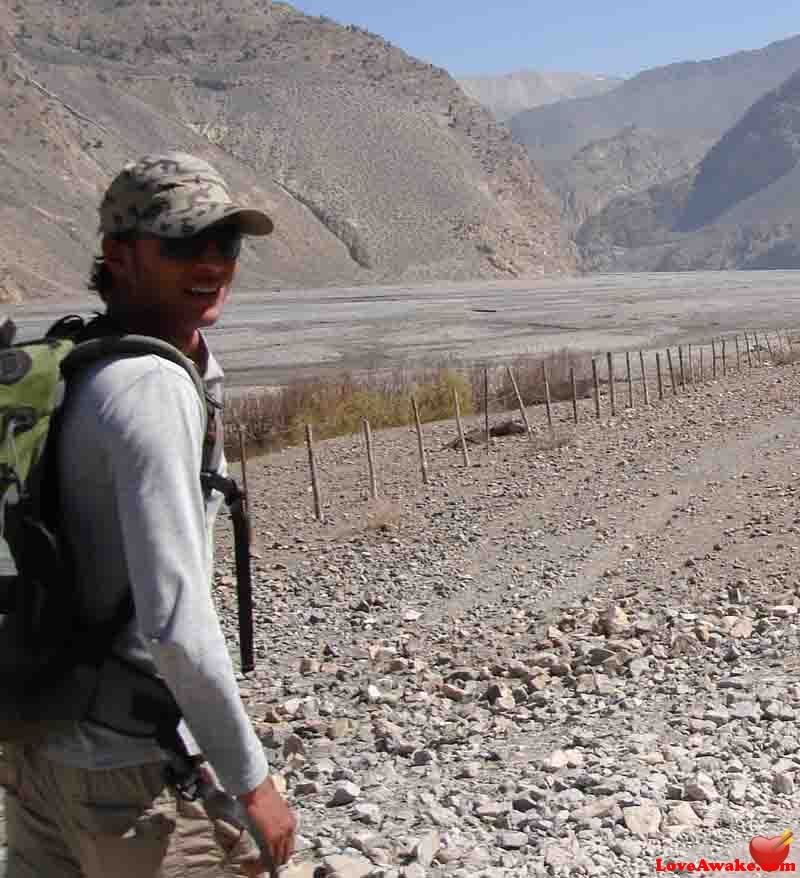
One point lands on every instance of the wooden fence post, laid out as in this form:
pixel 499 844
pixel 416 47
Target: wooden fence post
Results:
pixel 658 376
pixel 373 482
pixel 758 347
pixel 769 347
pixel 681 369
pixel 747 348
pixel 671 373
pixel 738 355
pixel 630 378
pixel 644 379
pixel 702 370
pixel 691 368
pixel 319 514
pixel 488 435
pixel 461 437
pixel 724 359
pixel 596 389
pixel 519 402
pixel 423 461
pixel 547 400
pixel 713 359
pixel 574 394
pixel 611 394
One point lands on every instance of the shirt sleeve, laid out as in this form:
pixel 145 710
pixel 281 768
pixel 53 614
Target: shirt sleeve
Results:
pixel 155 437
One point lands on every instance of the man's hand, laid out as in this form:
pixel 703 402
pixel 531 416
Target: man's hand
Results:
pixel 273 817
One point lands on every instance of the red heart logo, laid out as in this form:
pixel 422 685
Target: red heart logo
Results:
pixel 769 853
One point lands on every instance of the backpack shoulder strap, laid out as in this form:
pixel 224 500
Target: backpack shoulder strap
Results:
pixel 97 347
pixel 86 352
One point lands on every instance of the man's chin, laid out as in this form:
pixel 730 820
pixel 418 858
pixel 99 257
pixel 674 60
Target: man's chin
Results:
pixel 213 311
pixel 210 316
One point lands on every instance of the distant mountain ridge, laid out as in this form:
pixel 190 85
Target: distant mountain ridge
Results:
pixel 698 98
pixel 511 93
pixel 686 166
pixel 377 166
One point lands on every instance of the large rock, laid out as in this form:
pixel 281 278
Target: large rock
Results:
pixel 642 820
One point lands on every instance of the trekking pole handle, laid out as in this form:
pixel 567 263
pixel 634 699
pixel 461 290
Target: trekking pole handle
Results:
pixel 219 805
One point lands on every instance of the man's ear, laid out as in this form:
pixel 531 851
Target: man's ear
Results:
pixel 116 255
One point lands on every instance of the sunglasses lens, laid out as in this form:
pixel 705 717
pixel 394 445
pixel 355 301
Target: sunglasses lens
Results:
pixel 228 241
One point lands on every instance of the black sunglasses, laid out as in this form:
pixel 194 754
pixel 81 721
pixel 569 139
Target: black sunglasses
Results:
pixel 226 238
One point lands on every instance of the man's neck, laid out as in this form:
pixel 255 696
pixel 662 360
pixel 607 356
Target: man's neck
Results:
pixel 192 344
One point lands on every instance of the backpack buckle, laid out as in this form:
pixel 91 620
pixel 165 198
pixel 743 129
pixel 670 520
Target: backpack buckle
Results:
pixel 183 776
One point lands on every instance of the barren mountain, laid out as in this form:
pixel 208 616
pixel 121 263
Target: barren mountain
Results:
pixel 511 93
pixel 377 166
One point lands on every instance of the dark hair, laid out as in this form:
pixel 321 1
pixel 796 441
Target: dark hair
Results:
pixel 101 281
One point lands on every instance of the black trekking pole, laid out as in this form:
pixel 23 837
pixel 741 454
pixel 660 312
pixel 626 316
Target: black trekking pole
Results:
pixel 244 582
pixel 235 501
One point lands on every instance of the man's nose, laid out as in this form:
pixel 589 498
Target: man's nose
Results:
pixel 211 254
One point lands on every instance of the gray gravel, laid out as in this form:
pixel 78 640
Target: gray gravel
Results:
pixel 573 658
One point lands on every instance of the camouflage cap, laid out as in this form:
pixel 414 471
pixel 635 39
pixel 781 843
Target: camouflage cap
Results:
pixel 175 195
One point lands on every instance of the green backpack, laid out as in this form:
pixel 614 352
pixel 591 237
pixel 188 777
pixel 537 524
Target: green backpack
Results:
pixel 49 655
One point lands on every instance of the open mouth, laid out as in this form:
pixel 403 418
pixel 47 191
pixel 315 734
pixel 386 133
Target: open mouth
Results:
pixel 203 291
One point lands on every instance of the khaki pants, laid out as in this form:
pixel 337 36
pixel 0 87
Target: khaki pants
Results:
pixel 64 822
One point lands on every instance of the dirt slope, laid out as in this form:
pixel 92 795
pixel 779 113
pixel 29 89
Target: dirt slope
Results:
pixel 378 165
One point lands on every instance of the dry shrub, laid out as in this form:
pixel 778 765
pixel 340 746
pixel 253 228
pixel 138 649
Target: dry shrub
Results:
pixel 785 356
pixel 529 375
pixel 434 394
pixel 276 417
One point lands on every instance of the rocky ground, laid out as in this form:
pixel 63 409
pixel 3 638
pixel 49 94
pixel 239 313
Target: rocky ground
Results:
pixel 574 657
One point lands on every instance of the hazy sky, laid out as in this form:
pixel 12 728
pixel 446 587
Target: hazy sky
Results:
pixel 617 37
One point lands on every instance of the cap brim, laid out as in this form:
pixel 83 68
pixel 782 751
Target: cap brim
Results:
pixel 249 220
pixel 252 221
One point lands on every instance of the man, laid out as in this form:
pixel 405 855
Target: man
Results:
pixel 91 801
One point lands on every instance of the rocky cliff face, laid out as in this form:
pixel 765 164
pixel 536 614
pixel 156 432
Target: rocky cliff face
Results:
pixel 619 167
pixel 377 166
pixel 759 150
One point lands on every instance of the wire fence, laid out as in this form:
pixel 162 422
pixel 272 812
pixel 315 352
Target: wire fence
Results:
pixel 612 383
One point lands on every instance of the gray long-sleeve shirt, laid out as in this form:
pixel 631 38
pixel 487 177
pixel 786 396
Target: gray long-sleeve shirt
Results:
pixel 129 463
